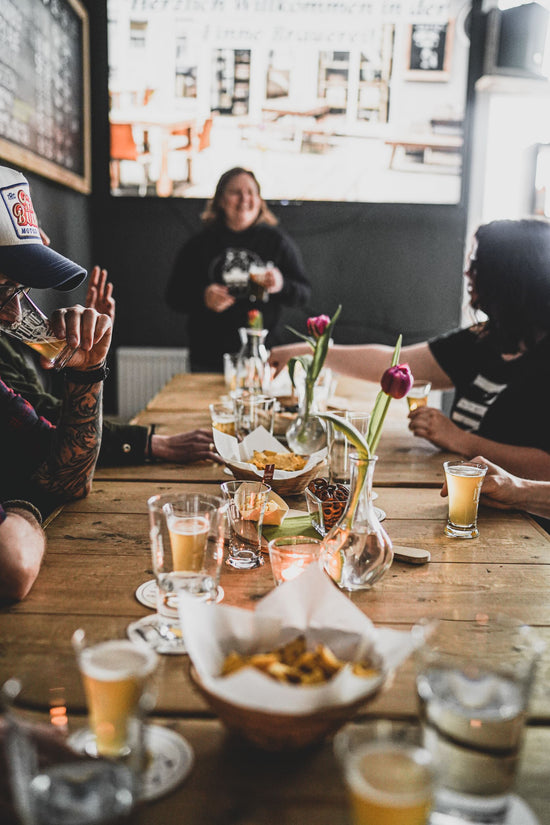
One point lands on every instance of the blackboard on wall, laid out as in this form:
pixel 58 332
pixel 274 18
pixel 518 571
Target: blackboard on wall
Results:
pixel 44 89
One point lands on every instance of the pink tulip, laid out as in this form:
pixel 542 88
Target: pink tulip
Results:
pixel 255 319
pixel 397 381
pixel 316 326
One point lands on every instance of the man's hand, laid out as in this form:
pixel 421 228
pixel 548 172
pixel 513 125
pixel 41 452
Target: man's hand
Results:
pixel 432 424
pixel 100 293
pixel 185 448
pixel 217 298
pixel 86 331
pixel 500 489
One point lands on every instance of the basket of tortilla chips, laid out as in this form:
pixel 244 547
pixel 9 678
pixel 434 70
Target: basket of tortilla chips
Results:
pixel 248 459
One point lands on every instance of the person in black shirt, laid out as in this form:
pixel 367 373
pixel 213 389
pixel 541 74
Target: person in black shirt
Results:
pixel 210 281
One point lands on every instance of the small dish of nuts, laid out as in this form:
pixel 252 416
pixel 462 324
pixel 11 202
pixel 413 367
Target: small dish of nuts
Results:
pixel 326 503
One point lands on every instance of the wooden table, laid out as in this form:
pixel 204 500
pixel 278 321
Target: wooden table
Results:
pixel 98 554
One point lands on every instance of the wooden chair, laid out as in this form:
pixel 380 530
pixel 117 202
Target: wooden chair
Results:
pixel 124 147
pixel 180 140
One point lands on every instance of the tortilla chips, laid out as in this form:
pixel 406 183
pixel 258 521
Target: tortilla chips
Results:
pixel 282 461
pixel 294 664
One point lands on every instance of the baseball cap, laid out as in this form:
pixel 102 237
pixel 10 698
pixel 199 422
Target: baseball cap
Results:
pixel 23 256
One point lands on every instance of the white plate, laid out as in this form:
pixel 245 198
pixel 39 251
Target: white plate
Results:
pixel 519 813
pixel 170 758
pixel 146 594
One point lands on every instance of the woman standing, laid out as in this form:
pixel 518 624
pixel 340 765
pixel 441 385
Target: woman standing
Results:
pixel 210 281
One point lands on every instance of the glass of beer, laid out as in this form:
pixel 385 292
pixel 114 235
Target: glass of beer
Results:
pixel 117 675
pixel 258 291
pixel 418 394
pixel 31 326
pixel 187 533
pixel 388 774
pixel 464 480
pixel 222 416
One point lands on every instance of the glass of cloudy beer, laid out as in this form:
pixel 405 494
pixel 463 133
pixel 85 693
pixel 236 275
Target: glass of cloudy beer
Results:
pixel 187 533
pixel 418 394
pixel 31 326
pixel 464 480
pixel 117 675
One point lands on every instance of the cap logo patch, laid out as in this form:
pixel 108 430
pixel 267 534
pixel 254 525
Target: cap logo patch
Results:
pixel 21 211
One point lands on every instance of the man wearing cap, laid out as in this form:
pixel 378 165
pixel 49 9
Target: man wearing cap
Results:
pixel 43 463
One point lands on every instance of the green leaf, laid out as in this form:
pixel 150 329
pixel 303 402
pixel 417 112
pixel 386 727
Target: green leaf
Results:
pixel 397 352
pixel 305 338
pixel 352 433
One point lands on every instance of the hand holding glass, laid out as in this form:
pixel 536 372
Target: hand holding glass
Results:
pixel 30 325
pixel 418 394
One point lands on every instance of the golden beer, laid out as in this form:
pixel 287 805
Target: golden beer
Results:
pixel 464 480
pixel 225 426
pixel 115 674
pixel 48 349
pixel 188 538
pixel 389 785
pixel 415 403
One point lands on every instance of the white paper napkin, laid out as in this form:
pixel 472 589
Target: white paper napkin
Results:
pixel 309 604
pixel 260 439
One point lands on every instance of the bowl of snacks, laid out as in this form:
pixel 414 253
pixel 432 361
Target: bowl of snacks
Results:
pixel 291 672
pixel 325 503
pixel 249 459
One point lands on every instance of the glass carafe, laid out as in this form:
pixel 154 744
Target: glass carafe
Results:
pixel 252 367
pixel 357 551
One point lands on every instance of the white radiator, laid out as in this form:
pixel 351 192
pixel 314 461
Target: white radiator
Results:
pixel 142 372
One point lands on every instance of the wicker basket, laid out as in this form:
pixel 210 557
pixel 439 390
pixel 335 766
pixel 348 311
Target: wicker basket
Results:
pixel 278 731
pixel 294 486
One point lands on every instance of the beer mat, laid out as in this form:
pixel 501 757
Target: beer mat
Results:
pixel 147 630
pixel 412 555
pixel 519 813
pixel 146 594
pixel 170 759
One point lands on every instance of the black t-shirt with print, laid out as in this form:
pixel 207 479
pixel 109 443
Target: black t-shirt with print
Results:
pixel 503 400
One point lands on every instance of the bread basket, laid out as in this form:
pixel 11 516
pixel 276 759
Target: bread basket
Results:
pixel 293 486
pixel 279 731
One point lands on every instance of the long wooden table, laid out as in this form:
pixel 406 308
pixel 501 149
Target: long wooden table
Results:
pixel 98 554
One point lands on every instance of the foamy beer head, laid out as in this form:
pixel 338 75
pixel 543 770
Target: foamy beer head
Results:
pixel 117 681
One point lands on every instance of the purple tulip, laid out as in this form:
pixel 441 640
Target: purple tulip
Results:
pixel 316 326
pixel 397 381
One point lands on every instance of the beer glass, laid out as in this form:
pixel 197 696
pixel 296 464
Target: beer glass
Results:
pixel 418 394
pixel 252 411
pixel 339 446
pixel 117 675
pixel 31 326
pixel 222 415
pixel 464 480
pixel 187 533
pixel 388 774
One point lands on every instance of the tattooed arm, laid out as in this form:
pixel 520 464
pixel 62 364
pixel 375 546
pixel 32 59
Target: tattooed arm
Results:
pixel 68 469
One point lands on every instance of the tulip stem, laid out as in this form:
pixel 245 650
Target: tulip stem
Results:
pixel 379 414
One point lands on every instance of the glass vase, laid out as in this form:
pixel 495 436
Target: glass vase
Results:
pixel 307 433
pixel 252 367
pixel 357 551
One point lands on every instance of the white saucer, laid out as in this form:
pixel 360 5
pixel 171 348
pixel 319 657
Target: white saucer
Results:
pixel 146 630
pixel 519 813
pixel 146 594
pixel 170 758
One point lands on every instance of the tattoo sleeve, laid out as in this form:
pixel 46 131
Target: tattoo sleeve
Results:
pixel 68 470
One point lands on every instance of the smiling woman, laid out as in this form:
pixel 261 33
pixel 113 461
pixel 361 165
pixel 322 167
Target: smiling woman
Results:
pixel 216 274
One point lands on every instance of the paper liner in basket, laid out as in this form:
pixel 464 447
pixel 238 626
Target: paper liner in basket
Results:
pixel 239 454
pixel 310 604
